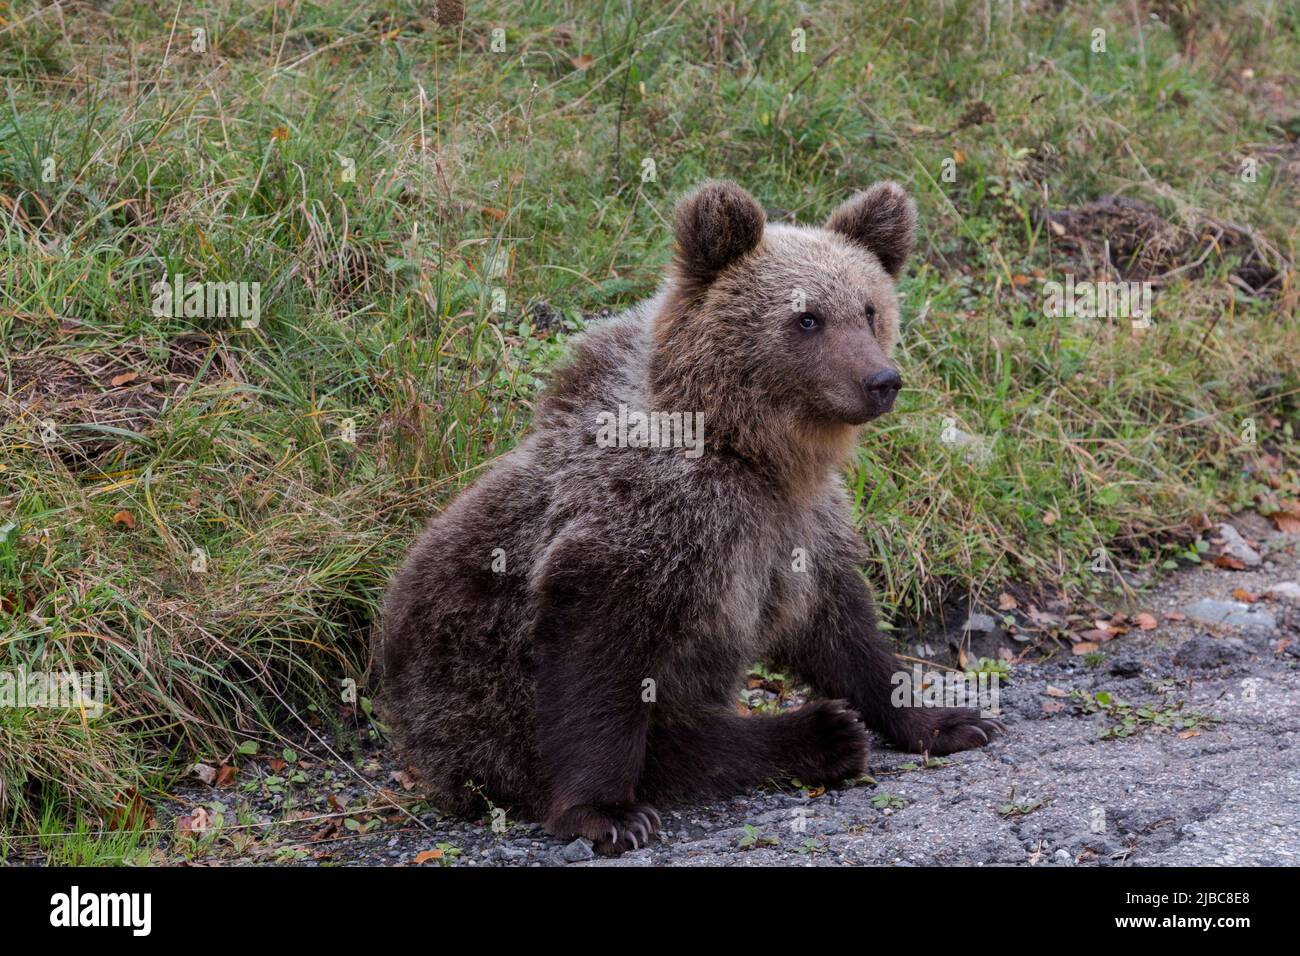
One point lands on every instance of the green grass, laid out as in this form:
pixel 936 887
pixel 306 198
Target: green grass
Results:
pixel 522 171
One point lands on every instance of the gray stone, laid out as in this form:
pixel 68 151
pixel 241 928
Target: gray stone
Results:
pixel 1126 668
pixel 1288 591
pixel 508 854
pixel 1205 651
pixel 577 851
pixel 1063 857
pixel 1235 545
pixel 1231 613
pixel 980 622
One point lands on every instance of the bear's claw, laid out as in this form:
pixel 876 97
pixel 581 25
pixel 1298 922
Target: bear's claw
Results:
pixel 611 828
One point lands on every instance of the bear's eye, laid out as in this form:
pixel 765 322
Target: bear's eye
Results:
pixel 808 321
pixel 871 317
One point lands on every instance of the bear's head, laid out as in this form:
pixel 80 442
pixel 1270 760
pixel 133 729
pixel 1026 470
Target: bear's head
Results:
pixel 782 331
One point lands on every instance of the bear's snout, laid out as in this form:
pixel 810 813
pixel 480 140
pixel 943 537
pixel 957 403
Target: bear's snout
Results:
pixel 881 389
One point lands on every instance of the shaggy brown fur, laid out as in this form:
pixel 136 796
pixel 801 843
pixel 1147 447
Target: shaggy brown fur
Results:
pixel 569 634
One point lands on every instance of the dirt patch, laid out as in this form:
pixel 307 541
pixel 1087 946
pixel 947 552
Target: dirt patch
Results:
pixel 78 403
pixel 1130 237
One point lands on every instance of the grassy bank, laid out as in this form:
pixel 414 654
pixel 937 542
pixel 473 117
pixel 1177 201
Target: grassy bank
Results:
pixel 208 512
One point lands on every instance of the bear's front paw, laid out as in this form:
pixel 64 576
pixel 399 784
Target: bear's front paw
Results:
pixel 611 828
pixel 940 732
pixel 839 745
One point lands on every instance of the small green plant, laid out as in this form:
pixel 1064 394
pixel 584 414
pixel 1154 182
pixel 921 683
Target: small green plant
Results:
pixel 1191 553
pixel 931 763
pixel 989 665
pixel 1013 809
pixel 812 845
pixel 888 801
pixel 450 854
pixel 754 837
pixel 1130 718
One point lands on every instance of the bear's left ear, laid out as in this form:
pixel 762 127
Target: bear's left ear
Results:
pixel 883 219
pixel 714 226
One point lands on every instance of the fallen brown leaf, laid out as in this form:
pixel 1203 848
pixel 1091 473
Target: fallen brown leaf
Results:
pixel 1044 618
pixel 426 856
pixel 1228 561
pixel 226 776
pixel 1287 524
pixel 329 830
pixel 1006 602
pixel 125 519
pixel 1056 691
pixel 583 61
pixel 1246 597
pixel 132 812
pixel 1083 647
pixel 192 824
pixel 1175 616
pixel 1147 622
pixel 119 380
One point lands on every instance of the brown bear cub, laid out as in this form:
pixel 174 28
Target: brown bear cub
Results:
pixel 568 637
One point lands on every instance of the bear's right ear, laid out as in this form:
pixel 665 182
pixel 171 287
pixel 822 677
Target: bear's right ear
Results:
pixel 715 225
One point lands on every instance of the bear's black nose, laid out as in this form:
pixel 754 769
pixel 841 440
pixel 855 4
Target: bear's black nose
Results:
pixel 886 380
pixel 882 388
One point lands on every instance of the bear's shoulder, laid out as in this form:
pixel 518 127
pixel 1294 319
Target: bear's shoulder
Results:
pixel 606 366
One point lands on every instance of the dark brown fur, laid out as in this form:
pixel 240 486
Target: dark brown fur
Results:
pixel 628 565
